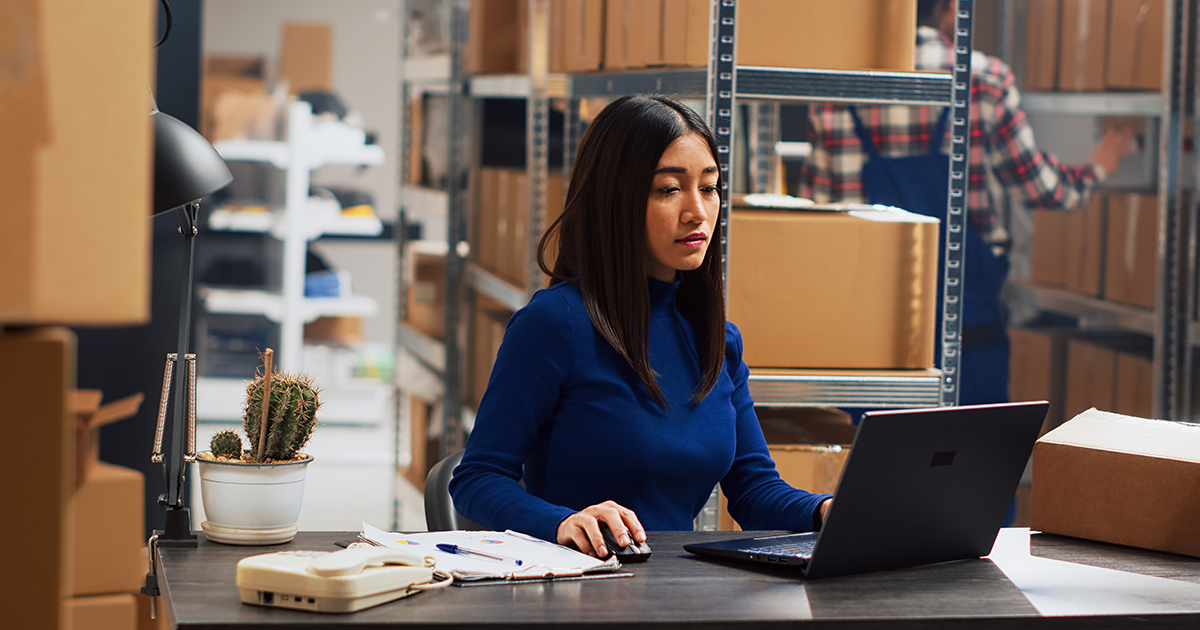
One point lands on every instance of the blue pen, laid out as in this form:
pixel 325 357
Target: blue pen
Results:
pixel 448 548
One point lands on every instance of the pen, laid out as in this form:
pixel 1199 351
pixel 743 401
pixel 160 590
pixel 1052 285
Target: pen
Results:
pixel 448 548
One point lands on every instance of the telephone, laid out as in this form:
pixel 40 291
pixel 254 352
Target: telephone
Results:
pixel 334 582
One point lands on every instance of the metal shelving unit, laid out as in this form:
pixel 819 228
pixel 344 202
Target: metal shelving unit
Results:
pixel 1170 323
pixel 722 84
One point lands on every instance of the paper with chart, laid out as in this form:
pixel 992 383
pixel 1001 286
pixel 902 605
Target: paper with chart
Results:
pixel 539 558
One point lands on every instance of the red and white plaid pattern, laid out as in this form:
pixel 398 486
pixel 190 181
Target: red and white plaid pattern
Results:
pixel 999 134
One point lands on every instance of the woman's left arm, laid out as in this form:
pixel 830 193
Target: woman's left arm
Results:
pixel 758 498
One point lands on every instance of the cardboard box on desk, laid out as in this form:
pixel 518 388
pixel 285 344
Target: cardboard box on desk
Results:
pixel 826 289
pixel 1094 476
pixel 809 445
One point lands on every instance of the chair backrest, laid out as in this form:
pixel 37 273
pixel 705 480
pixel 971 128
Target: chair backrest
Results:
pixel 440 515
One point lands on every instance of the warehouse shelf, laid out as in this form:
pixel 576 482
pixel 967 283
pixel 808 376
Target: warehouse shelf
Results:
pixel 424 199
pixel 845 388
pixel 491 285
pixel 330 143
pixel 429 350
pixel 317 222
pixel 1093 103
pixel 274 306
pixel 515 86
pixel 1092 312
pixel 434 68
pixel 355 401
pixel 780 84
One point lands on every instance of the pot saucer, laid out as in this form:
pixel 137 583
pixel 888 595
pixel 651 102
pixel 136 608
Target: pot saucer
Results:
pixel 235 536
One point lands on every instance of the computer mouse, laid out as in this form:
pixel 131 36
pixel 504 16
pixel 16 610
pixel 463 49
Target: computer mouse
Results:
pixel 634 552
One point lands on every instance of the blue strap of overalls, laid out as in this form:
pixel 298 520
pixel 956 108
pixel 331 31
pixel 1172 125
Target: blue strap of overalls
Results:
pixel 935 141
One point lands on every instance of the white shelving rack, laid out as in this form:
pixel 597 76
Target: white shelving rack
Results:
pixel 310 144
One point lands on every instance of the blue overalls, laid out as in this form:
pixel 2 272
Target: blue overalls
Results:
pixel 918 183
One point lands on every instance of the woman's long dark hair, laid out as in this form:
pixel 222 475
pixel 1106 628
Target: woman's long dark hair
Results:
pixel 601 236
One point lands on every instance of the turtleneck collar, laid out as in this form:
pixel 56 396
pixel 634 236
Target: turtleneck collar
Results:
pixel 662 296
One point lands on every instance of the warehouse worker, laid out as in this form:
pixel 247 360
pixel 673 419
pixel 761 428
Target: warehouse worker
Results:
pixel 619 394
pixel 896 155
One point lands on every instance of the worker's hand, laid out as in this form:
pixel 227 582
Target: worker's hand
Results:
pixel 1116 144
pixel 583 528
pixel 825 508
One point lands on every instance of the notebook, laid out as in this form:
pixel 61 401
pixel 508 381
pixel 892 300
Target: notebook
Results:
pixel 919 486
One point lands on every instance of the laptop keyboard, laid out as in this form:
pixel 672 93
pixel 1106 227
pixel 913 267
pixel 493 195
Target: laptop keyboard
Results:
pixel 801 549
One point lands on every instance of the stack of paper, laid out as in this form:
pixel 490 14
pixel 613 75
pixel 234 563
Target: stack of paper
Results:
pixel 538 559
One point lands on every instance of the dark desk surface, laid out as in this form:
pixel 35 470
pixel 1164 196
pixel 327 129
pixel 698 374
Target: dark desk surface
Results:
pixel 1029 581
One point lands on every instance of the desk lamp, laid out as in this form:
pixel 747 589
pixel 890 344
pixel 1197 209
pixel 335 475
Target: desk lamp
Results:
pixel 186 168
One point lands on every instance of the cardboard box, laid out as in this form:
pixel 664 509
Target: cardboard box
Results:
pixel 682 46
pixel 496 38
pixel 37 370
pixel 1094 477
pixel 335 330
pixel 1048 258
pixel 426 300
pixel 1037 371
pixel 1091 377
pixel 842 35
pixel 1135 45
pixel 89 417
pixel 1134 395
pixel 616 33
pixel 824 289
pixel 1131 251
pixel 1041 45
pixel 486 228
pixel 106 528
pixel 1085 246
pixel 1084 26
pixel 306 61
pixel 643 42
pixel 581 44
pixel 809 446
pixel 101 612
pixel 234 102
pixel 76 163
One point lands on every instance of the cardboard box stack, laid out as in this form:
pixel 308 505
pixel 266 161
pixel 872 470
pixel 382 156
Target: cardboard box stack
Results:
pixel 234 101
pixel 861 288
pixel 491 318
pixel 1101 376
pixel 1131 251
pixel 809 445
pixel 502 235
pixel 73 110
pixel 1037 365
pixel 1094 476
pixel 588 35
pixel 426 299
pixel 1094 45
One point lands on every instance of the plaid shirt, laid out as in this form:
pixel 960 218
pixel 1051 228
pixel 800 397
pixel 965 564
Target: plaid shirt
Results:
pixel 1000 138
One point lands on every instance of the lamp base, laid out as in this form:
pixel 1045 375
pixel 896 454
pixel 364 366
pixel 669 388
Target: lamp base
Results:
pixel 179 529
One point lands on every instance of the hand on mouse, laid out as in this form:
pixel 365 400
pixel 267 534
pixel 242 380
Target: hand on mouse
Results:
pixel 583 528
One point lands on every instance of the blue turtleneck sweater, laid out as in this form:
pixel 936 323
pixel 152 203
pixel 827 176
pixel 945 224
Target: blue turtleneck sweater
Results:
pixel 565 413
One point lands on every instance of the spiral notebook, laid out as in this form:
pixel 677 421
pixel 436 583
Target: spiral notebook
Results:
pixel 490 557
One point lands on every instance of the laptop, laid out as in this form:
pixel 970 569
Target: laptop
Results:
pixel 920 486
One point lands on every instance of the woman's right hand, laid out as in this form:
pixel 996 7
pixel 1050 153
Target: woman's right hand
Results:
pixel 582 528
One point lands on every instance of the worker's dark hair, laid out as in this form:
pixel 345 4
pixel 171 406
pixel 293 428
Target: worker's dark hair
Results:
pixel 601 236
pixel 927 11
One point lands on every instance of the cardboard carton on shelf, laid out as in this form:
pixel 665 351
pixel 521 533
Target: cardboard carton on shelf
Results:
pixel 1135 45
pixel 306 59
pixel 1094 476
pixel 809 445
pixel 1048 258
pixel 344 331
pixel 1085 246
pixel 1041 45
pixel 833 289
pixel 234 100
pixel 1037 370
pixel 843 35
pixel 90 415
pixel 426 299
pixel 1131 251
pixel 1084 28
pixel 1109 374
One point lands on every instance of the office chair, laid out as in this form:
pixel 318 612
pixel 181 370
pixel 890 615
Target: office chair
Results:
pixel 440 515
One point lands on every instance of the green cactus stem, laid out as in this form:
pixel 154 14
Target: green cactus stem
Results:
pixel 291 415
pixel 227 444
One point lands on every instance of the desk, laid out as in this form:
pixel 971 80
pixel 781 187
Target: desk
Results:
pixel 1029 581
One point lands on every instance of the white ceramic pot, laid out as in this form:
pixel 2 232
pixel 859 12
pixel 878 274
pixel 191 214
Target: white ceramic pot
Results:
pixel 251 504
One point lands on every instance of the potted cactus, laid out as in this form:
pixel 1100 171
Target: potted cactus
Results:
pixel 252 496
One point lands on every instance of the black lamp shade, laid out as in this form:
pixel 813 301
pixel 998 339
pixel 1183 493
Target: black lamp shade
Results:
pixel 186 166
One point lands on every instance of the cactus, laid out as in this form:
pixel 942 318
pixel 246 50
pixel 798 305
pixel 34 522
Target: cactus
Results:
pixel 227 444
pixel 291 417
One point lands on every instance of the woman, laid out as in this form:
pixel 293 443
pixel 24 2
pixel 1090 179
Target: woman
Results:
pixel 619 394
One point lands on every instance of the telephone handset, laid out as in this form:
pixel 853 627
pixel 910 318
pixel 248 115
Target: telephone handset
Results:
pixel 340 581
